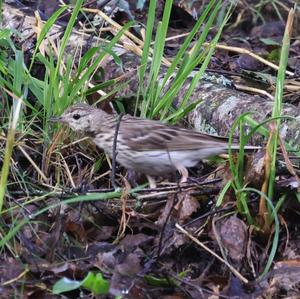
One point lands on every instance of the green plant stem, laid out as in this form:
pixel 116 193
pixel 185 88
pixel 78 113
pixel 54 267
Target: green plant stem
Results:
pixel 278 98
pixel 8 152
pixel 5 167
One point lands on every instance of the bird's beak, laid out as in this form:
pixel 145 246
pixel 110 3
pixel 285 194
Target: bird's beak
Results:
pixel 56 119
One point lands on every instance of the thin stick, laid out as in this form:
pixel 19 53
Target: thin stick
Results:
pixel 233 270
pixel 254 90
pixel 39 171
pixel 114 152
pixel 175 201
pixel 248 52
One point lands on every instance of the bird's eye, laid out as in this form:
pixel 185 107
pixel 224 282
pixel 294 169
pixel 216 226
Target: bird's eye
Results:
pixel 76 116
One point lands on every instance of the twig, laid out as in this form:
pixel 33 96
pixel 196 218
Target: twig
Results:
pixel 232 269
pixel 175 186
pixel 114 152
pixel 201 290
pixel 161 237
pixel 248 52
pixel 39 171
pixel 289 164
pixel 174 202
pixel 254 90
pixel 156 195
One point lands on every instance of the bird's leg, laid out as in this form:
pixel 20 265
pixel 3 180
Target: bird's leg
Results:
pixel 184 174
pixel 151 181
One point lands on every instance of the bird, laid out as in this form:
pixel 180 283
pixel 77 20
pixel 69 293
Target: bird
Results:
pixel 146 146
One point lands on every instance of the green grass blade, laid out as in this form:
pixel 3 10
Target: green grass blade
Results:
pixel 276 231
pixel 67 34
pixel 278 98
pixel 8 151
pixel 45 30
pixel 147 44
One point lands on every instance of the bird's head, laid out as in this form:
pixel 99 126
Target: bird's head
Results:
pixel 79 117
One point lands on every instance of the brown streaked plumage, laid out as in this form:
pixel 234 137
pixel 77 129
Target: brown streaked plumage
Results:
pixel 146 146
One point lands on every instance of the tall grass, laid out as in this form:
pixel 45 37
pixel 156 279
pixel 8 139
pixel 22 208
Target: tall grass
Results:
pixel 158 102
pixel 267 209
pixel 237 167
pixel 62 85
pixel 9 148
pixel 273 139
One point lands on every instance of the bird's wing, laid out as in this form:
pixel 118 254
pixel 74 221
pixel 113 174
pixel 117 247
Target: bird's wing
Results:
pixel 146 135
